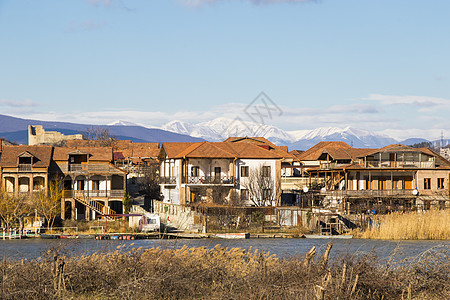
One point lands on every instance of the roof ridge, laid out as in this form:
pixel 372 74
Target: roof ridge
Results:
pixel 188 150
pixel 228 144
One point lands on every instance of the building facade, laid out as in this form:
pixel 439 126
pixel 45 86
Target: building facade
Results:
pixel 218 172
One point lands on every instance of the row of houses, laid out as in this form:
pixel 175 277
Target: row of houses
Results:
pixel 334 173
pixel 244 171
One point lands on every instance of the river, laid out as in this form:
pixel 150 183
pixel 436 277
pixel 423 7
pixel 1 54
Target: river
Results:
pixel 285 248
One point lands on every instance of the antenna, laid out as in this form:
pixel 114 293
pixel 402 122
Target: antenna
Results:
pixel 442 138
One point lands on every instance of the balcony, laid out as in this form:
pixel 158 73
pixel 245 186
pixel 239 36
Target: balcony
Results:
pixel 168 180
pixel 401 164
pixel 24 168
pixel 227 180
pixel 86 168
pixel 117 194
pixel 368 193
pixel 330 165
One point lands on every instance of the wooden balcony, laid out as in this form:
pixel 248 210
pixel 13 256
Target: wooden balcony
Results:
pixel 24 168
pixel 117 194
pixel 88 168
pixel 368 193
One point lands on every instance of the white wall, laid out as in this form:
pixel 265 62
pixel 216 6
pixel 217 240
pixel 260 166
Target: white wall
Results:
pixel 207 167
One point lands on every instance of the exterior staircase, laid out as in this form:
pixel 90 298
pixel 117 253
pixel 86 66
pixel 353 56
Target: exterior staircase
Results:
pixel 94 205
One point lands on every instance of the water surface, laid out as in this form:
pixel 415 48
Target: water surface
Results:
pixel 284 248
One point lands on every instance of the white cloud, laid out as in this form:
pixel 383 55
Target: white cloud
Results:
pixel 18 103
pixel 380 116
pixel 403 134
pixel 421 101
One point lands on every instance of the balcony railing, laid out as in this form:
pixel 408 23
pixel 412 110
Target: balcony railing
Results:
pixel 24 168
pixel 368 193
pixel 384 164
pixel 93 193
pixel 168 180
pixel 331 165
pixel 87 168
pixel 400 164
pixel 209 180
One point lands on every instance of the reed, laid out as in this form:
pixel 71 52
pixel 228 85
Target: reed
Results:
pixel 223 273
pixel 428 225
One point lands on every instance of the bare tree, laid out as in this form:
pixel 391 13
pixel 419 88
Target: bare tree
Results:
pixel 149 183
pixel 234 199
pixel 100 137
pixel 48 204
pixel 261 187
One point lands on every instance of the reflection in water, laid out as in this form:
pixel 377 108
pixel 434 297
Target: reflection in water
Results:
pixel 285 248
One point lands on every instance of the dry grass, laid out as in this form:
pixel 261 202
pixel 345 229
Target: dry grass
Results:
pixel 220 273
pixel 429 225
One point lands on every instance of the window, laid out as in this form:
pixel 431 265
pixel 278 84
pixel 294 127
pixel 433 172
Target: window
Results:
pixel 195 171
pixel 266 171
pixel 244 194
pixel 440 183
pixel 427 183
pixel 95 185
pixel 244 171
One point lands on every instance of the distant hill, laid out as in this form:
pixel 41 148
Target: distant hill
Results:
pixel 412 141
pixel 16 130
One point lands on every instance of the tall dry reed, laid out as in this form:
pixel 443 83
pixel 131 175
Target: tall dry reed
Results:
pixel 428 225
pixel 220 273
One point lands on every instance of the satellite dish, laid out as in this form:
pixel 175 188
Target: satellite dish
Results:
pixel 323 190
pixel 415 192
pixel 305 189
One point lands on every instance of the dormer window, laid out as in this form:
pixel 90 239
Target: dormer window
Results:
pixel 25 161
pixel 78 157
pixel 78 160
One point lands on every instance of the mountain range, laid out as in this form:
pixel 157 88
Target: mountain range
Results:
pixel 16 129
pixel 221 128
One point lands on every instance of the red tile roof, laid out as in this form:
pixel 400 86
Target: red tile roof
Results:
pixel 42 155
pixel 95 153
pixel 218 150
pixel 337 150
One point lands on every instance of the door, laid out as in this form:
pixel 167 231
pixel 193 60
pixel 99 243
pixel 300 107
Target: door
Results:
pixel 392 159
pixel 382 183
pixel 217 174
pixel 408 183
pixel 80 185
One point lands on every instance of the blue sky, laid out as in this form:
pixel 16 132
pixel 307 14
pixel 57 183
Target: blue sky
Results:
pixel 377 65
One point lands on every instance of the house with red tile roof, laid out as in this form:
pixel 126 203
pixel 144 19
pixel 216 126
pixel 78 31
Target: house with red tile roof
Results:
pixel 25 169
pixel 92 185
pixel 395 177
pixel 208 172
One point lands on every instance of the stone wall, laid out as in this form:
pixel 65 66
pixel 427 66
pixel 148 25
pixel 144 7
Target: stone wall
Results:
pixel 38 136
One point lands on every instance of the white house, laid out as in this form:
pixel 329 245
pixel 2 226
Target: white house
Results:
pixel 209 172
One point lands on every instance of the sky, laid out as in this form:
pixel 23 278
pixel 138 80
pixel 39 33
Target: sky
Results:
pixel 378 65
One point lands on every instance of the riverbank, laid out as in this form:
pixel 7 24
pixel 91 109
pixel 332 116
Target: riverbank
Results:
pixel 219 272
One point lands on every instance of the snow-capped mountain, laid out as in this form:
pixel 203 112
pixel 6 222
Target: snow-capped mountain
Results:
pixel 222 128
pixel 357 138
pixel 121 123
